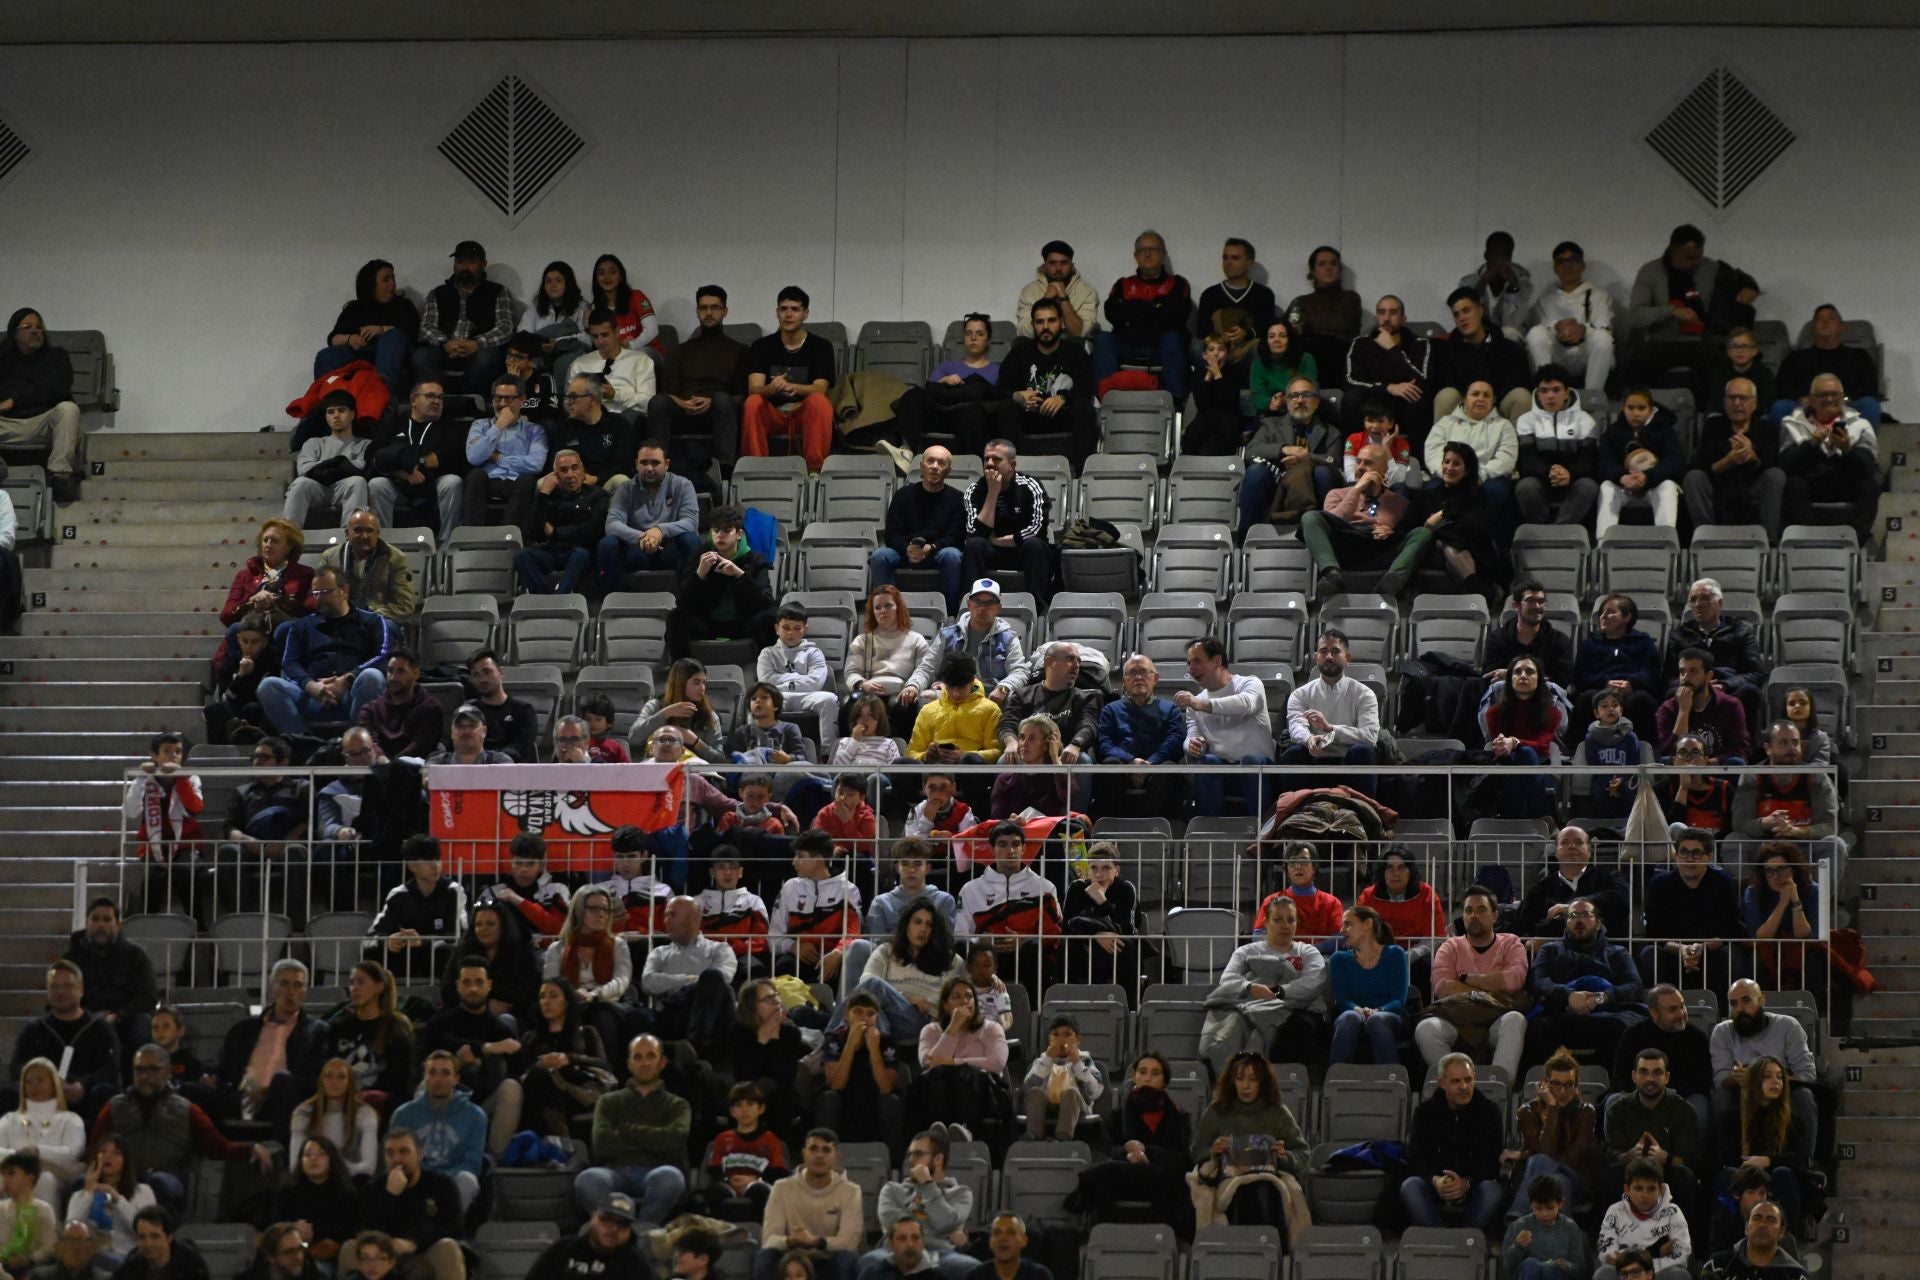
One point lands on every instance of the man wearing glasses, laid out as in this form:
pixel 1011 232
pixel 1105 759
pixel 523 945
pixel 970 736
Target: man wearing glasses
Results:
pixel 1572 326
pixel 377 575
pixel 1734 477
pixel 500 450
pixel 1830 455
pixel 1691 910
pixel 334 662
pixel 1588 987
pixel 420 464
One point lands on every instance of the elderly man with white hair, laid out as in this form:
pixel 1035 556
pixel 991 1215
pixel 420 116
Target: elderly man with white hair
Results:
pixel 1733 642
pixel 1831 455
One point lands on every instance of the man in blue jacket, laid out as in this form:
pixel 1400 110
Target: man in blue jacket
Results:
pixel 1139 730
pixel 451 1129
pixel 1589 989
pixel 333 663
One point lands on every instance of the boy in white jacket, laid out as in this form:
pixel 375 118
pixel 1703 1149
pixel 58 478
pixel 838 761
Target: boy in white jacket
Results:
pixel 795 666
pixel 1644 1218
pixel 1062 1084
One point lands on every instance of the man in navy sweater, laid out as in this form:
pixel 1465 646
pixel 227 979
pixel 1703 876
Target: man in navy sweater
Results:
pixel 333 665
pixel 926 523
pixel 1140 730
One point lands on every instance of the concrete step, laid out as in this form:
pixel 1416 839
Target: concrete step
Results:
pixel 190 669
pixel 71 558
pixel 264 470
pixel 110 719
pixel 183 578
pixel 1877 865
pixel 188 445
pixel 1891 950
pixel 84 820
pixel 199 624
pixel 109 489
pixel 1898 1104
pixel 1899 1245
pixel 183 533
pixel 72 743
pixel 1871 719
pixel 1884 765
pixel 1905 618
pixel 126 693
pixel 1876 921
pixel 20 769
pixel 1886 1075
pixel 119 602
pixel 150 648
pixel 1887 692
pixel 1887 1029
pixel 1875 645
pixel 76 844
pixel 247 516
pixel 1894 977
pixel 1879 1131
pixel 60 793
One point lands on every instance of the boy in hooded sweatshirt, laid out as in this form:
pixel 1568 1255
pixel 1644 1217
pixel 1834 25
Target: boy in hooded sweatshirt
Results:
pixel 1559 453
pixel 795 666
pixel 1640 460
pixel 818 1208
pixel 727 592
pixel 1611 740
pixel 1646 1218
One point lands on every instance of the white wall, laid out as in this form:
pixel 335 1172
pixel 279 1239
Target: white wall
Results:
pixel 207 206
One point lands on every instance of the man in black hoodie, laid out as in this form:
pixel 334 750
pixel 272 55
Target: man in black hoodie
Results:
pixel 118 975
pixel 1474 352
pixel 421 462
pixel 465 326
pixel 92 1074
pixel 604 1249
pixel 36 400
pixel 726 593
pixel 1048 385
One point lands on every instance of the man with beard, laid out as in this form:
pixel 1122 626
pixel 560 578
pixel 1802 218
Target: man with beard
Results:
pixel 1058 280
pixel 512 722
pixel 1528 634
pixel 1047 384
pixel 1479 989
pixel 118 976
pixel 36 400
pixel 1280 446
pixel 405 720
pixel 604 1249
pixel 702 380
pixel 421 463
pixel 1392 362
pixel 1732 648
pixel 1701 708
pixel 1335 719
pixel 162 1131
pixel 652 523
pixel 1589 987
pixel 1655 1123
pixel 1689 1066
pixel 465 326
pixel 1273 986
pixel 1750 1033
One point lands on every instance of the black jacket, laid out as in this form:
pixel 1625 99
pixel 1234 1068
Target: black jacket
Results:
pixel 426 1212
pixel 578 1258
pixel 940 518
pixel 96 1048
pixel 307 1051
pixel 454 1028
pixel 187 1264
pixel 1734 646
pixel 511 727
pixel 1602 885
pixel 1551 648
pixel 1066 371
pixel 1021 509
pixel 1467 1140
pixel 1499 360
pixel 401 448
pixel 119 976
pixel 578 519
pixel 725 596
pixel 1717 436
pixel 34 383
pixel 606 448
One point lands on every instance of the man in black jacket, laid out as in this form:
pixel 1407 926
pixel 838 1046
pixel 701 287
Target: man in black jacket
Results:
pixel 512 723
pixel 333 661
pixel 465 326
pixel 604 1249
pixel 118 975
pixel 925 524
pixel 418 1207
pixel 92 1074
pixel 420 463
pixel 1528 634
pixel 727 591
pixel 1453 1153
pixel 1392 362
pixel 270 1063
pixel 1048 385
pixel 36 400
pixel 1734 476
pixel 481 1042
pixel 1478 352
pixel 1007 525
pixel 563 529
pixel 701 383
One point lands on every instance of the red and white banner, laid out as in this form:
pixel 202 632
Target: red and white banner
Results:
pixel 475 810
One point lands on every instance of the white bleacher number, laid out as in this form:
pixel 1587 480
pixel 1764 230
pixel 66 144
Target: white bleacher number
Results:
pixel 69 532
pixel 96 468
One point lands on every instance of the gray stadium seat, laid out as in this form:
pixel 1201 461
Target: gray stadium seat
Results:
pixel 1277 563
pixel 247 943
pixel 1192 557
pixel 452 628
pixel 628 686
pixel 94 385
pixel 1442 1253
pixel 1105 569
pixel 1454 625
pixel 1200 941
pixel 1123 488
pixel 335 940
pixel 833 556
pixel 1097 620
pixel 1359 1103
pixel 1819 558
pixel 1169 621
pixel 903 348
pixel 1132 1251
pixel 1556 554
pixel 1813 627
pixel 833 618
pixel 479 561
pixel 547 629
pixel 633 627
pixel 32 503
pixel 868 1166
pixel 1267 627
pixel 1136 422
pixel 1235 1253
pixel 1737 556
pixel 775 485
pixel 854 487
pixel 542 684
pixel 1205 490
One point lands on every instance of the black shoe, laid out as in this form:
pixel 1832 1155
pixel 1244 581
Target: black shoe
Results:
pixel 1332 582
pixel 1391 585
pixel 65 489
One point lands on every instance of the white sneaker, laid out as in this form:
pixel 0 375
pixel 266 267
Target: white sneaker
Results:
pixel 902 458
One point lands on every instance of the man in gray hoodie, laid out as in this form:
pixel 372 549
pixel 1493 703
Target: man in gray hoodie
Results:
pixel 941 1204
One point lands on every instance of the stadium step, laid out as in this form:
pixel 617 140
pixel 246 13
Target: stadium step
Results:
pixel 253 470
pixel 83 820
pixel 48 695
pixel 201 624
pixel 1875 920
pixel 14 745
pixel 138 665
pixel 117 603
pixel 179 581
pixel 70 557
pixel 1891 762
pixel 244 515
pixel 181 446
pixel 1871 721
pixel 118 646
pixel 113 769
pixel 145 720
pixel 61 793
pixel 1888 1004
pixel 186 533
pixel 1887 691
pixel 109 489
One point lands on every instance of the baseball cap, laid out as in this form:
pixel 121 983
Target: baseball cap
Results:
pixel 619 1207
pixel 468 251
pixel 469 711
pixel 984 586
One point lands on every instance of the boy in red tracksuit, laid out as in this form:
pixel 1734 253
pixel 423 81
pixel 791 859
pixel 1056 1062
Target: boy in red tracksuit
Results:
pixel 736 916
pixel 163 806
pixel 850 821
pixel 746 1160
pixel 818 916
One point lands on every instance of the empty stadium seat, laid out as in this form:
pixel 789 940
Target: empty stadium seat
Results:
pixel 1453 625
pixel 1235 1253
pixel 542 684
pixel 1205 490
pixel 869 1167
pixel 1267 627
pixel 1326 1252
pixel 94 384
pixel 1192 557
pixel 1363 1102
pixel 1277 563
pixel 776 485
pixel 32 503
pixel 453 628
pixel 479 561
pixel 1200 941
pixel 335 940
pixel 1136 422
pixel 1347 1197
pixel 1556 554
pixel 1055 475
pixel 903 348
pixel 226 1247
pixel 928 609
pixel 1819 558
pixel 167 937
pixel 548 629
pixel 247 943
pixel 1169 621
pixel 633 627
pixel 1737 556
pixel 1037 1177
pixel 1813 627
pixel 508 1249
pixel 833 556
pixel 1132 1251
pixel 1371 624
pixel 627 686
pixel 1442 1253
pixel 1629 562
pixel 1123 488
pixel 854 487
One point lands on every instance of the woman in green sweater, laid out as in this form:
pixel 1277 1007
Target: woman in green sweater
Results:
pixel 1247 1126
pixel 1278 360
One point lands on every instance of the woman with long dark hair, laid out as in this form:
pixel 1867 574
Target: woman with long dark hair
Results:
pixel 1521 723
pixel 764 1046
pixel 907 972
pixel 963 1060
pixel 110 1197
pixel 1148 1160
pixel 380 324
pixel 562 1064
pixel 1369 980
pixel 1248 1129
pixel 1782 909
pixel 633 317
pixel 500 938
pixel 1463 520
pixel 318 1192
pixel 1773 1136
pixel 557 316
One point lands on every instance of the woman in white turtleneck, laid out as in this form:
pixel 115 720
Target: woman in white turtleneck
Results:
pixel 44 1122
pixel 887 650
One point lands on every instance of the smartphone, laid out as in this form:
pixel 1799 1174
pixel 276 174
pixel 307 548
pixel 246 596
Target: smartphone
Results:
pixel 947 746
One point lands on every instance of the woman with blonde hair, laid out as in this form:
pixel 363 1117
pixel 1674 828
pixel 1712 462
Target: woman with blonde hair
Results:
pixel 337 1113
pixel 1039 783
pixel 272 582
pixel 43 1122
pixel 595 959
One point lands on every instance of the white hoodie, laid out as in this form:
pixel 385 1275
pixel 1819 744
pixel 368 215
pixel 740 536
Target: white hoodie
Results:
pixel 1622 1228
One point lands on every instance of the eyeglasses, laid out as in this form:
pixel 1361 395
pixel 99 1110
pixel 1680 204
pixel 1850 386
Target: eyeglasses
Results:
pixel 1561 1086
pixel 1778 873
pixel 1303 395
pixel 1580 915
pixel 574 738
pixel 505 399
pixel 577 395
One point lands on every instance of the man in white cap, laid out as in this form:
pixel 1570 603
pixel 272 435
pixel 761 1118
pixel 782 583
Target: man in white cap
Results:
pixel 983 636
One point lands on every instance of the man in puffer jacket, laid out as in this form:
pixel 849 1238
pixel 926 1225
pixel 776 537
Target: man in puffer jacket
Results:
pixel 1559 453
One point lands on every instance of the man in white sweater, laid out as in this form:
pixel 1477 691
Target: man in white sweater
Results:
pixel 1573 324
pixel 1332 720
pixel 1227 723
pixel 690 979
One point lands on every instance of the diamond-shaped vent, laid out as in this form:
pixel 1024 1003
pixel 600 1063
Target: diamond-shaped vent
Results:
pixel 13 150
pixel 513 147
pixel 1720 138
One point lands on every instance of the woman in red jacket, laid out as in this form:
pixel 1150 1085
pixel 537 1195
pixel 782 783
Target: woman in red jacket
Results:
pixel 1520 725
pixel 1416 914
pixel 273 582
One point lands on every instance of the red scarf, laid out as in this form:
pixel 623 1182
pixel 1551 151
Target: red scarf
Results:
pixel 602 945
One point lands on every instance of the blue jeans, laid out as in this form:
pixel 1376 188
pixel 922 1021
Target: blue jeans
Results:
pixel 1573 1184
pixel 885 561
pixel 1534 1269
pixel 290 710
pixel 474 375
pixel 899 1019
pixel 1480 1208
pixel 1867 407
pixel 535 563
pixel 1382 1031
pixel 388 353
pixel 1209 789
pixel 617 558
pixel 1262 481
pixel 1169 351
pixel 1528 795
pixel 658 1188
